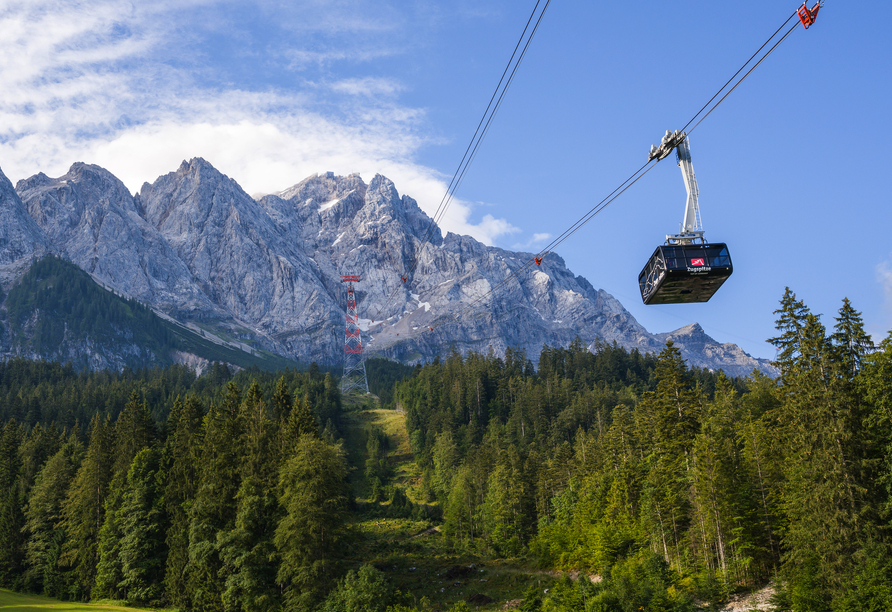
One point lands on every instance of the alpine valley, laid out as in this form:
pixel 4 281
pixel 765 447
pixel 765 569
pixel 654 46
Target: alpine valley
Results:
pixel 262 277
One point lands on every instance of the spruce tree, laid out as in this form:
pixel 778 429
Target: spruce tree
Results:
pixel 214 508
pixel 142 525
pixel 43 513
pixel 83 511
pixel 182 452
pixel 300 422
pixel 850 342
pixel 314 494
pixel 12 498
pixel 823 494
pixel 247 550
pixel 669 420
pixel 134 432
pixel 281 400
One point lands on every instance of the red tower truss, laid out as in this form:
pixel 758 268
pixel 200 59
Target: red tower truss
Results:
pixel 354 378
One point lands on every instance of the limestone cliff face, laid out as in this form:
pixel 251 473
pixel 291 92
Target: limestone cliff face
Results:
pixel 89 217
pixel 195 246
pixel 20 236
pixel 247 265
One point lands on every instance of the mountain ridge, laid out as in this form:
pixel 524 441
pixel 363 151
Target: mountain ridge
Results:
pixel 196 247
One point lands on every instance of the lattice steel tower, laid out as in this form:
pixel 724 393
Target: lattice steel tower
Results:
pixel 354 378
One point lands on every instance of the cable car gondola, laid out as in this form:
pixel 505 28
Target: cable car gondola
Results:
pixel 679 274
pixel 686 268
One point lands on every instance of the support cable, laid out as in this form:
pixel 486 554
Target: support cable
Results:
pixel 600 206
pixel 492 108
pixel 641 171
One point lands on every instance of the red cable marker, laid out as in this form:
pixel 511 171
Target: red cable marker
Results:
pixel 806 16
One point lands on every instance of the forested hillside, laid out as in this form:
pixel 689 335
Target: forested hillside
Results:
pixel 56 311
pixel 648 486
pixel 668 484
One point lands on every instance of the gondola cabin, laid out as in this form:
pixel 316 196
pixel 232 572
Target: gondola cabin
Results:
pixel 684 273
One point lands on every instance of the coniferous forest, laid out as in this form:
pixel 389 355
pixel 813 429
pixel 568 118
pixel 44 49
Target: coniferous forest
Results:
pixel 642 484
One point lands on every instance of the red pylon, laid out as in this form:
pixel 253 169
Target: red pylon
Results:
pixel 354 378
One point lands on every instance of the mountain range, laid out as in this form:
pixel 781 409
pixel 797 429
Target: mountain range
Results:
pixel 265 273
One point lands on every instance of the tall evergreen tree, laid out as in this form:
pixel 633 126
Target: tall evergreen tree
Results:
pixel 281 400
pixel 43 514
pixel 247 550
pixel 134 432
pixel 214 509
pixel 850 342
pixel 313 492
pixel 824 498
pixel 182 453
pixel 83 511
pixel 12 498
pixel 141 520
pixel 670 420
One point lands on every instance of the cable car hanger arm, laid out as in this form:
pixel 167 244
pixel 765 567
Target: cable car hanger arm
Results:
pixel 692 226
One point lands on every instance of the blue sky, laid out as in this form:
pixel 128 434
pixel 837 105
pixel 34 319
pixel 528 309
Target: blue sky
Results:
pixel 790 166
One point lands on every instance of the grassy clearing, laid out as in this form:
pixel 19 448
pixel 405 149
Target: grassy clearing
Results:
pixel 416 560
pixel 20 602
pixel 413 553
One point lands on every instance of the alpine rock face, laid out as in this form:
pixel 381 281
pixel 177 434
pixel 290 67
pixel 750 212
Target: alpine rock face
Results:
pixel 90 218
pixel 197 248
pixel 20 236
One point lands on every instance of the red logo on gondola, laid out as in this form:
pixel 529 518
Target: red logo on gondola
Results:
pixel 698 262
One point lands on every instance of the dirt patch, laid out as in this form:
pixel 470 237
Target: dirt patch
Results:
pixel 479 599
pixel 755 601
pixel 426 532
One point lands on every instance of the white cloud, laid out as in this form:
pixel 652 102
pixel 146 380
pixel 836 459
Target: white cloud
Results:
pixel 368 86
pixel 133 87
pixel 536 240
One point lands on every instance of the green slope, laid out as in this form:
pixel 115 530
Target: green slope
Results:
pixel 411 550
pixel 20 602
pixel 56 306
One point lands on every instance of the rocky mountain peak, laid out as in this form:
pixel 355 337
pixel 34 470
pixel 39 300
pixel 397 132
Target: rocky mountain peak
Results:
pixel 20 236
pixel 321 190
pixel 384 205
pixel 92 219
pixel 82 197
pixel 195 246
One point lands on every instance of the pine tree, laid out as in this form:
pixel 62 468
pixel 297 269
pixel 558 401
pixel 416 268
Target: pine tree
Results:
pixel 313 493
pixel 823 494
pixel 141 521
pixel 83 511
pixel 850 342
pixel 281 400
pixel 183 450
pixel 108 569
pixel 763 461
pixel 134 432
pixel 503 506
pixel 669 420
pixel 214 509
pixel 247 550
pixel 40 444
pixel 300 422
pixel 875 386
pixel 12 498
pixel 43 513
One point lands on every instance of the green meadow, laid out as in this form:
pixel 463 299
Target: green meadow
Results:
pixel 20 602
